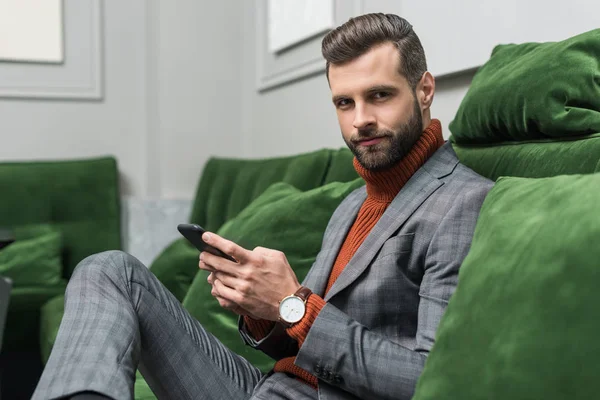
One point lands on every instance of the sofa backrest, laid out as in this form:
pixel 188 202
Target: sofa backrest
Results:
pixel 79 196
pixel 228 185
pixel 340 168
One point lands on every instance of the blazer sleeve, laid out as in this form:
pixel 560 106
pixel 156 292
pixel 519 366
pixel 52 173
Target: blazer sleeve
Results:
pixel 276 344
pixel 346 354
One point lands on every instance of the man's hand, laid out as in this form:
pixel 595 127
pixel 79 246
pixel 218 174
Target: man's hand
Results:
pixel 255 284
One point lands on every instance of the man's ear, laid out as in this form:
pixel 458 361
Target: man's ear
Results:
pixel 425 90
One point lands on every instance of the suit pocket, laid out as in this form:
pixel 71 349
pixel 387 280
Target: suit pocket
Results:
pixel 396 245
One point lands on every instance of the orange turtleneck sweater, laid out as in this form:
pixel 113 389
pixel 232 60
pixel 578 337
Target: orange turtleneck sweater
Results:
pixel 382 188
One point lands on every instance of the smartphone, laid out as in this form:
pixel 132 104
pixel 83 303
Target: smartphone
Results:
pixel 193 233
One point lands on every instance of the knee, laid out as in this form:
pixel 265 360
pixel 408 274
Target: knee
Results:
pixel 112 264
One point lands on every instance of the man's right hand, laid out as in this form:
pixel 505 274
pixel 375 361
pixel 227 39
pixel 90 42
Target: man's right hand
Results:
pixel 227 304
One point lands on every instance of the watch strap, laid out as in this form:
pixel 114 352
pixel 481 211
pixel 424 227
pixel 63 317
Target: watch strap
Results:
pixel 303 293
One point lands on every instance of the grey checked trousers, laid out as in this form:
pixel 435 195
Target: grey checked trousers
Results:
pixel 119 317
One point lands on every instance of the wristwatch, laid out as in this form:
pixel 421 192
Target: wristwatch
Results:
pixel 293 307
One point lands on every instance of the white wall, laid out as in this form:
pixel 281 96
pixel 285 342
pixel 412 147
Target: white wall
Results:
pixel 199 91
pixel 171 83
pixel 56 129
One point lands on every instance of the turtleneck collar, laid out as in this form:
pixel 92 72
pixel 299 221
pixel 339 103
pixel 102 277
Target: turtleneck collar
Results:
pixel 384 185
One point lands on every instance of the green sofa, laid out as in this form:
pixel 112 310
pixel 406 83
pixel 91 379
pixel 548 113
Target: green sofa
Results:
pixel 81 199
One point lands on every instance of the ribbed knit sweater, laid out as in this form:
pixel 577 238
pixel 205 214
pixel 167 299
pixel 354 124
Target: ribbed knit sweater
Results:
pixel 382 187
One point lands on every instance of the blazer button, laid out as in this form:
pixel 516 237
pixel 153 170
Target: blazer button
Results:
pixel 337 379
pixel 318 370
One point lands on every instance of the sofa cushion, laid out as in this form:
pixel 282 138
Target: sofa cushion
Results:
pixel 34 259
pixel 227 185
pixel 282 218
pixel 524 319
pixel 539 159
pixel 176 266
pixel 141 389
pixel 81 197
pixel 533 91
pixel 341 168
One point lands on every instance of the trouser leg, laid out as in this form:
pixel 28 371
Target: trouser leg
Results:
pixel 117 314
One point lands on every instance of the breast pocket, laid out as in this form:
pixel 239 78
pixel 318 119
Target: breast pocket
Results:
pixel 396 245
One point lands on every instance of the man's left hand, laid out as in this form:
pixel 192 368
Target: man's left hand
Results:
pixel 255 284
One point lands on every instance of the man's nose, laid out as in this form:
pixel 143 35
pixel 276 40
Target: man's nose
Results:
pixel 363 117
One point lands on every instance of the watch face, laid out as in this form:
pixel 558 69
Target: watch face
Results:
pixel 292 309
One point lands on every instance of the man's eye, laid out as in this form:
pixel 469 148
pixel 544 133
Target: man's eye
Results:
pixel 343 103
pixel 381 95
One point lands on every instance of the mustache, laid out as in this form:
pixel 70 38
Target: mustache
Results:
pixel 370 134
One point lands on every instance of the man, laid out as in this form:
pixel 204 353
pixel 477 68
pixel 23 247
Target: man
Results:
pixel 363 321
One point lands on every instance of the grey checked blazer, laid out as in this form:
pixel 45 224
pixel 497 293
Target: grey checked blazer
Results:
pixel 373 336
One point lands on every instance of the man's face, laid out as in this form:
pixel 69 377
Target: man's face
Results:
pixel 378 113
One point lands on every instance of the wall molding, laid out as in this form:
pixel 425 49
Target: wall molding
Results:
pixel 299 61
pixel 79 77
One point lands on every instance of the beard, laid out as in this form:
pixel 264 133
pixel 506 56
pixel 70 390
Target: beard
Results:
pixel 394 145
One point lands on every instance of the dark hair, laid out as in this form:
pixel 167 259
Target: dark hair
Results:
pixel 360 34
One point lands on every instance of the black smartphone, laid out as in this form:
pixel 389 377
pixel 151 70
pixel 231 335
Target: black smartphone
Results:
pixel 193 233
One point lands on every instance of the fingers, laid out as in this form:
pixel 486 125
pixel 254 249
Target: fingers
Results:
pixel 227 297
pixel 230 282
pixel 226 246
pixel 210 262
pixel 223 302
pixel 202 265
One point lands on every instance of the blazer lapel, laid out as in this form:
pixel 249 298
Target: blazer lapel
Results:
pixel 413 194
pixel 341 221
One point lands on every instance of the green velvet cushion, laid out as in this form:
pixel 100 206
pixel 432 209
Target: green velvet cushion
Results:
pixel 524 320
pixel 341 168
pixel 228 185
pixel 141 389
pixel 34 259
pixel 176 267
pixel 533 91
pixel 282 218
pixel 81 197
pixel 540 159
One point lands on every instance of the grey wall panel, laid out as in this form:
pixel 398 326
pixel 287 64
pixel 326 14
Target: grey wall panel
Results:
pixel 79 76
